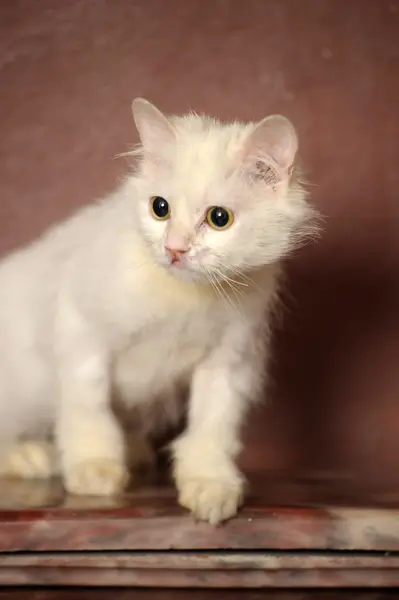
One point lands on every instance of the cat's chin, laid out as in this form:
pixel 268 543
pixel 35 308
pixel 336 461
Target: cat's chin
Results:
pixel 184 274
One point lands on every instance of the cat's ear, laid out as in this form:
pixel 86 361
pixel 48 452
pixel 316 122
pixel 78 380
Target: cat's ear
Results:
pixel 154 128
pixel 271 145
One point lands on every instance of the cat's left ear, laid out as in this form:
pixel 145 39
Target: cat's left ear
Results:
pixel 273 143
pixel 154 128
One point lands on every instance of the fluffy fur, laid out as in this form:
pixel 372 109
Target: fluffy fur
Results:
pixel 95 310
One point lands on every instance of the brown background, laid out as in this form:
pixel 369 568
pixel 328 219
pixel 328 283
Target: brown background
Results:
pixel 68 72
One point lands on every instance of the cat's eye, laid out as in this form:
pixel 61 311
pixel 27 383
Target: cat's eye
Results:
pixel 159 208
pixel 219 217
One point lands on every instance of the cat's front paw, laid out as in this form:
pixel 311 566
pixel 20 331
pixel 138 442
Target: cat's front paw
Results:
pixel 212 500
pixel 29 459
pixel 97 477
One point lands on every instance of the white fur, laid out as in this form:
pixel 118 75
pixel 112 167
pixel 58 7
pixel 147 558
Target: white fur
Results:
pixel 95 307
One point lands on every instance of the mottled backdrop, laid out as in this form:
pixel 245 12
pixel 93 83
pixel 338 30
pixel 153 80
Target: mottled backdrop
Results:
pixel 68 73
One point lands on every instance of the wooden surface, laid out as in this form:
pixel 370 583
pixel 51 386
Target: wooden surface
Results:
pixel 205 570
pixel 317 531
pixel 313 513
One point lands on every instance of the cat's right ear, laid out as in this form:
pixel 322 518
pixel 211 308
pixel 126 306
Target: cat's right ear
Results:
pixel 270 149
pixel 154 128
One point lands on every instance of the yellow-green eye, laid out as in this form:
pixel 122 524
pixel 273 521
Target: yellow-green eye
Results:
pixel 219 217
pixel 159 208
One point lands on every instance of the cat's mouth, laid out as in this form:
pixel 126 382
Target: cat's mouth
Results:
pixel 177 263
pixel 181 266
pixel 181 270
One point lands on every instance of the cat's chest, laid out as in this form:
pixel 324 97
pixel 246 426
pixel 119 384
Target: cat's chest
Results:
pixel 164 354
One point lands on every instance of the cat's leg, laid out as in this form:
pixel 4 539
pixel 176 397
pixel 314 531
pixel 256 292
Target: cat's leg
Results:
pixel 207 478
pixel 89 438
pixel 26 448
pixel 29 459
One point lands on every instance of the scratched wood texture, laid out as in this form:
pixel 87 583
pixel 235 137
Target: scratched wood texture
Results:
pixel 309 532
pixel 281 513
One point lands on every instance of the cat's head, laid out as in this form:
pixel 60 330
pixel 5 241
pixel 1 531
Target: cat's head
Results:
pixel 217 199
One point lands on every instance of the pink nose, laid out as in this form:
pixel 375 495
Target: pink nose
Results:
pixel 175 254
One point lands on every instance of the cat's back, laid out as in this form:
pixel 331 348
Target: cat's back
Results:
pixel 31 276
pixel 32 280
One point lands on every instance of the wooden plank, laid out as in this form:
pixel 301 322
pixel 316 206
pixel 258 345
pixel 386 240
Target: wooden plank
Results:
pixel 270 528
pixel 200 570
pixel 320 515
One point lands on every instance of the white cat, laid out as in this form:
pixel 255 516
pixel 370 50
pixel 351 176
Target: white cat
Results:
pixel 167 282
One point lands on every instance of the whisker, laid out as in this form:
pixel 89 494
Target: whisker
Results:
pixel 220 291
pixel 249 280
pixel 227 299
pixel 232 283
pixel 211 281
pixel 238 293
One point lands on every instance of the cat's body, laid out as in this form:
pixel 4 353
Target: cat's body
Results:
pixel 115 302
pixel 152 308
